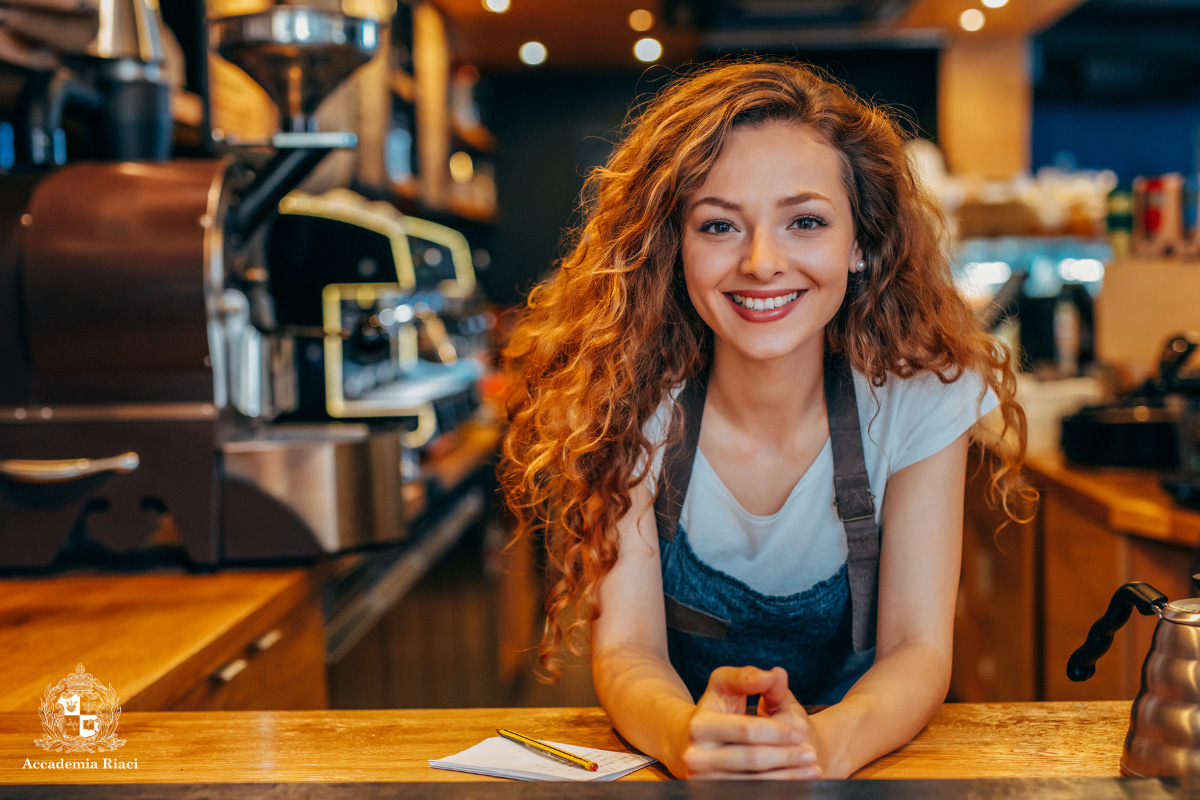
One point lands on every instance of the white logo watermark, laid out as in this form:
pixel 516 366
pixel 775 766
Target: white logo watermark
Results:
pixel 90 763
pixel 79 714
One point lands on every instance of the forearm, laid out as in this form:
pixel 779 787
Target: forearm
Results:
pixel 646 701
pixel 886 708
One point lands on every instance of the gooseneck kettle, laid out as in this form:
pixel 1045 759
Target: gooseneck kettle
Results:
pixel 1164 726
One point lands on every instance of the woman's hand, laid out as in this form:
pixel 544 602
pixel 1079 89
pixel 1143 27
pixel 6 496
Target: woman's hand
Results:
pixel 724 743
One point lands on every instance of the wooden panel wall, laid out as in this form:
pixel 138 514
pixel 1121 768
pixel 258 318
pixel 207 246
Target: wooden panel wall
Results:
pixel 984 105
pixel 436 649
pixel 431 68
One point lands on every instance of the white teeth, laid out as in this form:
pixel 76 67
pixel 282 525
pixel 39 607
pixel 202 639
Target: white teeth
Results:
pixel 764 304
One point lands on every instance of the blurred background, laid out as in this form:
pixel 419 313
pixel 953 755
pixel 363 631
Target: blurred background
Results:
pixel 257 261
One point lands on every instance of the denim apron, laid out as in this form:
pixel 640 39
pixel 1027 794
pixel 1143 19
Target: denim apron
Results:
pixel 823 636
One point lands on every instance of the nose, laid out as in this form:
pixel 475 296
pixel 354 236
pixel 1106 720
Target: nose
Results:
pixel 765 259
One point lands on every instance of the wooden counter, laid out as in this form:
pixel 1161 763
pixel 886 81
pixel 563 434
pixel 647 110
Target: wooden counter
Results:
pixel 1003 740
pixel 157 638
pixel 1127 500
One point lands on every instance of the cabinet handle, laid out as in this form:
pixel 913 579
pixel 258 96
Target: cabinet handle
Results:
pixel 69 469
pixel 230 671
pixel 267 640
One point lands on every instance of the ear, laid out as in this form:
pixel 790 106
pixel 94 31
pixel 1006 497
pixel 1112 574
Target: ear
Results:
pixel 856 254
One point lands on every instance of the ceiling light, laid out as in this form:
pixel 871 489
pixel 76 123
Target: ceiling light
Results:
pixel 643 20
pixel 971 19
pixel 532 53
pixel 647 49
pixel 500 6
pixel 995 3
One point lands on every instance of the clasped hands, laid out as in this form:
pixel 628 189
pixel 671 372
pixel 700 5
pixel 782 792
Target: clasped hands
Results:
pixel 723 742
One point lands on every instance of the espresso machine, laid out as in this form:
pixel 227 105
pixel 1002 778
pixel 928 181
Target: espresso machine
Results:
pixel 167 381
pixel 394 325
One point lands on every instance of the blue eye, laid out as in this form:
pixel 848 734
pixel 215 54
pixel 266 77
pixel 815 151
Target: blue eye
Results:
pixel 716 226
pixel 808 223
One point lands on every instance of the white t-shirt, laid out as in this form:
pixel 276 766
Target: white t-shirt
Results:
pixel 804 542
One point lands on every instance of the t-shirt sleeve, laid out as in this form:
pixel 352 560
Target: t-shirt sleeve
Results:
pixel 933 414
pixel 655 430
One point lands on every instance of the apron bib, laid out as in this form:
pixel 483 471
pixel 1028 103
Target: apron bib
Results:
pixel 823 636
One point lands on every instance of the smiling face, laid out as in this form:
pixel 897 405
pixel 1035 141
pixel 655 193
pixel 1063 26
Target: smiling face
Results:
pixel 768 242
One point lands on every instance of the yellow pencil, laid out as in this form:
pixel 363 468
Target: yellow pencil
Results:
pixel 549 750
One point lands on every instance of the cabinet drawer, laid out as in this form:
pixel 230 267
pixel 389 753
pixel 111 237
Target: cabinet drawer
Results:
pixel 283 668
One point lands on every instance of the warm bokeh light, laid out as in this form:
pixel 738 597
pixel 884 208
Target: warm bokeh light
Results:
pixel 497 6
pixel 462 168
pixel 369 9
pixel 647 49
pixel 641 20
pixel 467 74
pixel 995 3
pixel 532 53
pixel 971 19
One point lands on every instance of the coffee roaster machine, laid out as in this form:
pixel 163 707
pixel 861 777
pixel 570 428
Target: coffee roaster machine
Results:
pixel 200 364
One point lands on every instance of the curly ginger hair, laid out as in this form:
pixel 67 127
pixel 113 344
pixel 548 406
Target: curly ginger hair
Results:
pixel 605 340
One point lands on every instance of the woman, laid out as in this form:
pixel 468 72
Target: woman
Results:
pixel 753 361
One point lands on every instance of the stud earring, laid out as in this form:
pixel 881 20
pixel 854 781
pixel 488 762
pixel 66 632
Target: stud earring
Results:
pixel 860 266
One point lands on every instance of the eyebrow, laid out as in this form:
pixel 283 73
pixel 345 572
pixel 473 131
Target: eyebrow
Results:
pixel 792 200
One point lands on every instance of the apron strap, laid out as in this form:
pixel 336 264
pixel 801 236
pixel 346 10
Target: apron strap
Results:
pixel 851 485
pixel 677 460
pixel 853 498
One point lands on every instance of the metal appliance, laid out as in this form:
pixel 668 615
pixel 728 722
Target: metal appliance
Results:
pixel 110 101
pixel 387 316
pixel 154 404
pixel 1164 727
pixel 1184 401
pixel 1152 427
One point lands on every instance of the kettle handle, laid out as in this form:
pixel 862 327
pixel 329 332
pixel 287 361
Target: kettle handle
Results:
pixel 1142 596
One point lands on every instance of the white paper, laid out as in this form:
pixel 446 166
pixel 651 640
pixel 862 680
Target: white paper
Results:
pixel 501 758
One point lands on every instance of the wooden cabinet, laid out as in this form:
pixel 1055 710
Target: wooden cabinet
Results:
pixel 280 667
pixel 1086 561
pixel 995 630
pixel 1030 592
pixel 231 640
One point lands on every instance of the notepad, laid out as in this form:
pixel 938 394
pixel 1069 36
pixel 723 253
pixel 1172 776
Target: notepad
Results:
pixel 500 758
